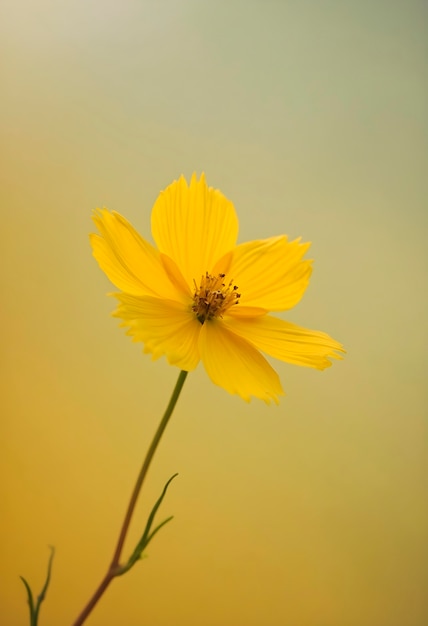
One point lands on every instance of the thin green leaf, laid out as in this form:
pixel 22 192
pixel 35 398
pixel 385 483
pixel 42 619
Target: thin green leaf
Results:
pixel 150 537
pixel 34 609
pixel 147 536
pixel 42 594
pixel 30 599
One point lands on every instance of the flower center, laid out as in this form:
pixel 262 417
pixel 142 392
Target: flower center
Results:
pixel 213 297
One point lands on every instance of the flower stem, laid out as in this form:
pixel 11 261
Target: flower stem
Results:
pixel 114 569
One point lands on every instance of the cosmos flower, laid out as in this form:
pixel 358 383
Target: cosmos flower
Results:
pixel 198 296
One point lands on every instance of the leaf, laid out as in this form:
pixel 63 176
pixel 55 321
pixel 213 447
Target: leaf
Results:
pixel 147 536
pixel 34 609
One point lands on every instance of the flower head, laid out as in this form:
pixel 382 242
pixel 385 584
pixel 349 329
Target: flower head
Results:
pixel 199 296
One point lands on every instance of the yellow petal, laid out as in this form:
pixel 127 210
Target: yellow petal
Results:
pixel 164 326
pixel 195 226
pixel 235 365
pixel 176 277
pixel 286 341
pixel 270 273
pixel 130 262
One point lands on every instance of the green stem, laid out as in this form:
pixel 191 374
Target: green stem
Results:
pixel 115 568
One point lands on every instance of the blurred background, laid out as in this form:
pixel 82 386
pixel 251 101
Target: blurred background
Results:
pixel 311 117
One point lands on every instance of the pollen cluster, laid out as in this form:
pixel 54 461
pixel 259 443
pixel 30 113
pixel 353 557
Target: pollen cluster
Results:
pixel 213 297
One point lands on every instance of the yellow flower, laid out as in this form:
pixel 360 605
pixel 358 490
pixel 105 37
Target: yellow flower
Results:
pixel 199 296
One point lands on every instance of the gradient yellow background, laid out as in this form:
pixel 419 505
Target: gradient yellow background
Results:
pixel 311 117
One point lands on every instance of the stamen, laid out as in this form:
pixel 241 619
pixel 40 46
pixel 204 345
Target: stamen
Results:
pixel 213 297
